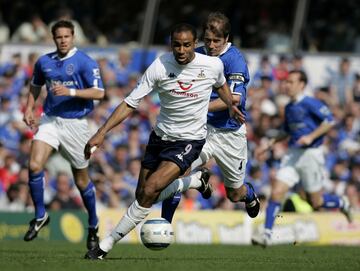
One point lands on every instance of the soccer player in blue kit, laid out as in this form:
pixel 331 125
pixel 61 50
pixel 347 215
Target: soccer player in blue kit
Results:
pixel 306 122
pixel 226 137
pixel 72 81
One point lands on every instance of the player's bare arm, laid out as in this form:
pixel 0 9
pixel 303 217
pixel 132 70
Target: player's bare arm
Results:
pixel 121 112
pixel 219 105
pixel 28 117
pixel 321 130
pixel 89 93
pixel 226 96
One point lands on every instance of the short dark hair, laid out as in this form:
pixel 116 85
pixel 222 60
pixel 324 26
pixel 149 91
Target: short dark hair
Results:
pixel 62 23
pixel 218 23
pixel 302 75
pixel 183 27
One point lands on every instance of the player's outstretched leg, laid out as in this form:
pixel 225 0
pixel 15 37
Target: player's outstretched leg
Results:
pixel 252 202
pixel 169 206
pixel 201 177
pixel 133 216
pixel 35 226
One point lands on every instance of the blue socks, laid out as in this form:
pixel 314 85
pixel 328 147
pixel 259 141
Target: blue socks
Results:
pixel 331 201
pixel 88 197
pixel 272 210
pixel 169 206
pixel 36 184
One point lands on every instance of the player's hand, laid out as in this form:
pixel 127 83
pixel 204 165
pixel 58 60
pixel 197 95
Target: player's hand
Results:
pixel 28 118
pixel 237 114
pixel 93 143
pixel 305 140
pixel 60 90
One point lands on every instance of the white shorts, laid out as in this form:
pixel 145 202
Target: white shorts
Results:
pixel 68 136
pixel 229 149
pixel 305 165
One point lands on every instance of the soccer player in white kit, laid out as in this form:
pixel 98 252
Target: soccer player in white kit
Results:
pixel 226 138
pixel 184 80
pixel 72 81
pixel 306 122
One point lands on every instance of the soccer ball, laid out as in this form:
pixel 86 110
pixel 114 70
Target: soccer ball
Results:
pixel 157 233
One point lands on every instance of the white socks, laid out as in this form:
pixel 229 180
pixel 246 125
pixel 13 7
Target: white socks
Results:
pixel 134 215
pixel 181 185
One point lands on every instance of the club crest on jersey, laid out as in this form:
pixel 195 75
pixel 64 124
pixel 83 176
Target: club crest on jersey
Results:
pixel 201 74
pixel 70 69
pixel 185 85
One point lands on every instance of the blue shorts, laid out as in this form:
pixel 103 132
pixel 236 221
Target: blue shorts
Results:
pixel 182 153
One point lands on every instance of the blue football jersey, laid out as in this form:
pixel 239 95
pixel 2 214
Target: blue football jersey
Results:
pixel 303 117
pixel 237 77
pixel 77 70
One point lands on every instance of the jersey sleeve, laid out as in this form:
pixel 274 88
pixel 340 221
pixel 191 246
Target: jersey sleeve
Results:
pixel 237 74
pixel 320 110
pixel 38 77
pixel 145 85
pixel 220 78
pixel 91 75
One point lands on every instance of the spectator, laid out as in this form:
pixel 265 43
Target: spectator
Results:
pixel 4 31
pixel 8 172
pixel 123 67
pixel 32 31
pixel 65 197
pixel 341 84
pixel 67 15
pixel 15 199
pixel 298 63
pixel 265 70
pixel 281 70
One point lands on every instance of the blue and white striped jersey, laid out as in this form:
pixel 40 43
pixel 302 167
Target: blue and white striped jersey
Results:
pixel 237 76
pixel 304 116
pixel 76 70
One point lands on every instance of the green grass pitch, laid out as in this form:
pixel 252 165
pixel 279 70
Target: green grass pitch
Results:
pixel 53 256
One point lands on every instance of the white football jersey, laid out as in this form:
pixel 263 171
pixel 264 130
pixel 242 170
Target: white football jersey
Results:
pixel 184 92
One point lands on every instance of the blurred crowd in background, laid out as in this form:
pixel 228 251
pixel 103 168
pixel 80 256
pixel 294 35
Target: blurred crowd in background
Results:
pixel 329 25
pixel 115 167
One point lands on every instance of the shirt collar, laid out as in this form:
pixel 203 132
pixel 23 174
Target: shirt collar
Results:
pixel 226 48
pixel 69 54
pixel 228 45
pixel 299 97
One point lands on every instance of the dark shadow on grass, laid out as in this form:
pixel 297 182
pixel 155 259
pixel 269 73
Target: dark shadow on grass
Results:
pixel 162 259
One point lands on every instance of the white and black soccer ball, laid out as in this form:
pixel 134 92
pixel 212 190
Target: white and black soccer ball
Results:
pixel 157 233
